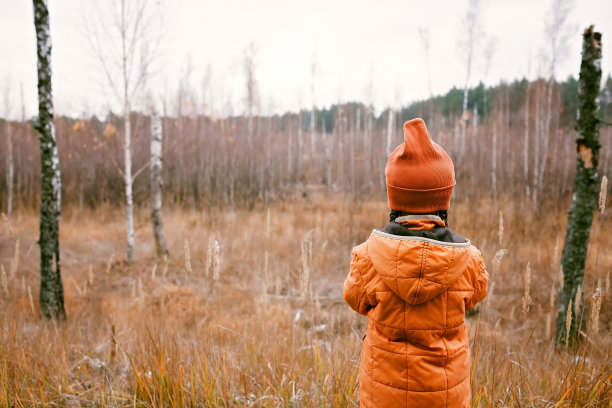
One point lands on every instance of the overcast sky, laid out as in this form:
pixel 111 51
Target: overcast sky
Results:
pixel 355 42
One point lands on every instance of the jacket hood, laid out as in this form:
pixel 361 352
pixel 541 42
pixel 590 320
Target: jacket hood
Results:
pixel 417 269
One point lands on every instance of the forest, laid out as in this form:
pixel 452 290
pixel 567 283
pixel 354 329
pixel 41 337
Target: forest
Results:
pixel 187 251
pixel 515 144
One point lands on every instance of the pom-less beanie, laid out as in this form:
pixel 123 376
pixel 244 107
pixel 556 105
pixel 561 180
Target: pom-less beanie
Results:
pixel 420 175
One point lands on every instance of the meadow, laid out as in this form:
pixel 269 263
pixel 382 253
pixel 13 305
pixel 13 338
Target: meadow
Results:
pixel 248 311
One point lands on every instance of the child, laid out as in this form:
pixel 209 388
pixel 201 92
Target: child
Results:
pixel 414 280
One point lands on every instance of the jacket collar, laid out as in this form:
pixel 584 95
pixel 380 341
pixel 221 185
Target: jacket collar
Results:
pixel 420 222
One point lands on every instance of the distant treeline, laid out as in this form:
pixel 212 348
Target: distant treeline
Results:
pixel 516 143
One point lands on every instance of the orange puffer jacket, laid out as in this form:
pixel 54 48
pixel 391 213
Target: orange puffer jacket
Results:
pixel 415 292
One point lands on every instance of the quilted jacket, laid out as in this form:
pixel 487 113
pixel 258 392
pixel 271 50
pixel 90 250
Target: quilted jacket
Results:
pixel 415 292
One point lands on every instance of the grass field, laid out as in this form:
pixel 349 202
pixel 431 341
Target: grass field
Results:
pixel 262 322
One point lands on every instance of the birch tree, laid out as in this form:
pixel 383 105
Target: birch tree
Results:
pixel 248 65
pixel 425 36
pixel 313 127
pixel 10 160
pixel 51 295
pixel 468 46
pixel 558 34
pixel 156 186
pixel 390 127
pixel 584 197
pixel 125 37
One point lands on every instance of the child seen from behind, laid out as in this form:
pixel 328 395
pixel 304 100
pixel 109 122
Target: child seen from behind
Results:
pixel 414 280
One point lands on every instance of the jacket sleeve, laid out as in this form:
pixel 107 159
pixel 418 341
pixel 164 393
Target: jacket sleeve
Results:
pixel 480 283
pixel 355 286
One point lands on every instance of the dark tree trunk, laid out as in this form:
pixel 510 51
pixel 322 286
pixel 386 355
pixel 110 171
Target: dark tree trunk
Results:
pixel 51 290
pixel 584 197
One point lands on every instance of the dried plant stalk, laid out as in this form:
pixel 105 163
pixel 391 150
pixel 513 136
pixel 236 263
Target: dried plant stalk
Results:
pixel 568 322
pixel 602 194
pixel 154 271
pixel 500 232
pixel 4 279
pixel 213 258
pixel 556 249
pixel 527 297
pixel 187 257
pixel 577 301
pixel 552 295
pixel 15 261
pixel 497 259
pixel 90 276
pixel 595 309
pixel 31 300
pixel 109 264
pixel 306 260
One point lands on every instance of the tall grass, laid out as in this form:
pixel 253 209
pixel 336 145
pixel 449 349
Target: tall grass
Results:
pixel 137 337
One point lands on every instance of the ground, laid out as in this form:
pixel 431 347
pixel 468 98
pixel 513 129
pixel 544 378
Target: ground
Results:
pixel 273 329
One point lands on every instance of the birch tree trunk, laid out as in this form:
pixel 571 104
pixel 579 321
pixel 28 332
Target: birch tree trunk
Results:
pixel 584 197
pixel 536 144
pixel 299 149
pixel 390 132
pixel 326 157
pixel 313 133
pixel 526 142
pixel 464 116
pixel 546 133
pixel 289 150
pixel 51 291
pixel 10 169
pixel 156 186
pixel 127 147
pixel 494 161
pixel 475 130
pixel 368 147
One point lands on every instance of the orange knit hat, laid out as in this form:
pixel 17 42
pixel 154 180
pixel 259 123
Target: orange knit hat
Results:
pixel 420 175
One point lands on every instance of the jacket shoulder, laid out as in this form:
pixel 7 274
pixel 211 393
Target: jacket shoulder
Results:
pixel 476 260
pixel 360 260
pixel 360 252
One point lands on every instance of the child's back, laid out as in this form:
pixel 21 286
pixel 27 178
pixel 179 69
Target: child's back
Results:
pixel 414 280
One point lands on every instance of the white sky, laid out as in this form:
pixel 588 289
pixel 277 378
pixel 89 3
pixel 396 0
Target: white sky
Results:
pixel 356 41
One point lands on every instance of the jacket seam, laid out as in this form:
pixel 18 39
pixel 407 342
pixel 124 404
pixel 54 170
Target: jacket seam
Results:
pixel 421 274
pixel 402 389
pixel 406 329
pixel 462 348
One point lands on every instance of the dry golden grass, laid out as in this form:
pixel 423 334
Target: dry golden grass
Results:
pixel 269 327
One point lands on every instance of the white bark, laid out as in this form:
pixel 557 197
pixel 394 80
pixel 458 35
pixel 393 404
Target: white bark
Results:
pixel 472 28
pixel 390 124
pixel 299 148
pixel 289 150
pixel 127 146
pixel 129 197
pixel 313 132
pixel 368 146
pixel 10 169
pixel 327 157
pixel 494 163
pixel 10 165
pixel 526 143
pixel 156 186
pixel 475 130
